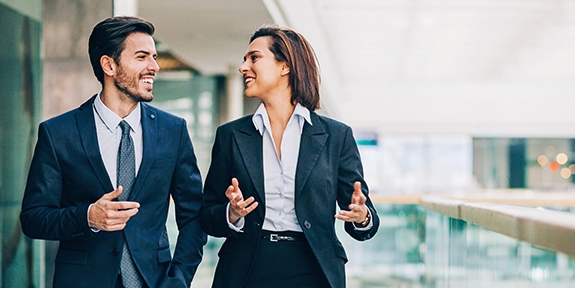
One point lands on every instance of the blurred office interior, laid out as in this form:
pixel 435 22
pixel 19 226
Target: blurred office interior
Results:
pixel 461 109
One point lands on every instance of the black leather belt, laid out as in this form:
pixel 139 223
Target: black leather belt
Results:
pixel 274 236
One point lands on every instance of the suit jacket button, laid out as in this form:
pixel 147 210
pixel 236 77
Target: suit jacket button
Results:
pixel 306 224
pixel 116 252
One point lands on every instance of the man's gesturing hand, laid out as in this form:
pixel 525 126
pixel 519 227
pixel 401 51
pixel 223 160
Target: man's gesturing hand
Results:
pixel 108 215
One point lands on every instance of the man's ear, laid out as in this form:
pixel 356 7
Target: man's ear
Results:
pixel 108 65
pixel 285 69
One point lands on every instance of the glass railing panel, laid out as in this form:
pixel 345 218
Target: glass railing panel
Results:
pixel 393 257
pixel 460 254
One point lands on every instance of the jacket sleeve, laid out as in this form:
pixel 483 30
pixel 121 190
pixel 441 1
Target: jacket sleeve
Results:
pixel 350 171
pixel 214 207
pixel 42 216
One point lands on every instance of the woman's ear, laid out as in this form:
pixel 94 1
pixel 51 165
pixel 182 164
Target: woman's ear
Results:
pixel 285 69
pixel 108 65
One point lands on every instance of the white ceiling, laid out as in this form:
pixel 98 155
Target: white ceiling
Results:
pixel 475 67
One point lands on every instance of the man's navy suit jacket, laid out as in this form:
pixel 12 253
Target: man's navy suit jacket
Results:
pixel 328 165
pixel 67 174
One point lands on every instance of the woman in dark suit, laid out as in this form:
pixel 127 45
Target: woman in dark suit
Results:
pixel 277 176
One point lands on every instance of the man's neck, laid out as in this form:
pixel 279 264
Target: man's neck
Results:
pixel 118 102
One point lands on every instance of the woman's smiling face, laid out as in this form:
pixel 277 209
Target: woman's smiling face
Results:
pixel 263 74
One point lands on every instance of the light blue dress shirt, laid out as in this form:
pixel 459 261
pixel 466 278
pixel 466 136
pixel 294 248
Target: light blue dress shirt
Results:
pixel 279 174
pixel 110 135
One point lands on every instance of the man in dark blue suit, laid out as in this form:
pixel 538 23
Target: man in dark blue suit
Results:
pixel 112 231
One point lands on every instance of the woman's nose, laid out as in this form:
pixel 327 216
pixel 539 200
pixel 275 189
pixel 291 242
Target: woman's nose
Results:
pixel 243 68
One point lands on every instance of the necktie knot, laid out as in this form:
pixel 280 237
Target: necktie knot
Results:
pixel 125 128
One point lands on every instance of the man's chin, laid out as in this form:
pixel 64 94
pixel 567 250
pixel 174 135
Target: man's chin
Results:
pixel 146 98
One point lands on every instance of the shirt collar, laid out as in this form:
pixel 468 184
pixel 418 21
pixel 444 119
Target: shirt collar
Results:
pixel 111 119
pixel 261 118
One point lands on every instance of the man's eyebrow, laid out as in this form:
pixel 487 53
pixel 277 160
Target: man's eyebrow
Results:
pixel 143 51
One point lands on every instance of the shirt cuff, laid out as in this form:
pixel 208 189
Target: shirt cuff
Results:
pixel 369 224
pixel 234 226
pixel 95 230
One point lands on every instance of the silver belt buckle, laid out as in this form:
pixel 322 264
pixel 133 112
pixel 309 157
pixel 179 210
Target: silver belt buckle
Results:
pixel 274 237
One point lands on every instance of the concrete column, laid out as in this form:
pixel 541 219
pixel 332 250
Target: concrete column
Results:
pixel 68 78
pixel 234 104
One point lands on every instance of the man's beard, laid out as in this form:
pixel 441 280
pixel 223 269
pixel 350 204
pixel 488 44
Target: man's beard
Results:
pixel 129 87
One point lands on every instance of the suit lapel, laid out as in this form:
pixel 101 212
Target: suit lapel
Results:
pixel 251 150
pixel 89 139
pixel 150 134
pixel 312 143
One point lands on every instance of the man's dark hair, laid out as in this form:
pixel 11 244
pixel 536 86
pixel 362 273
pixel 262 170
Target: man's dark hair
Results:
pixel 291 47
pixel 108 38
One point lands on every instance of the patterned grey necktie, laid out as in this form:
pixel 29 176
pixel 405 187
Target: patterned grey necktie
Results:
pixel 126 173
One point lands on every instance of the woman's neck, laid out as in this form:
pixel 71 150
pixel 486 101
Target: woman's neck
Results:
pixel 279 112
